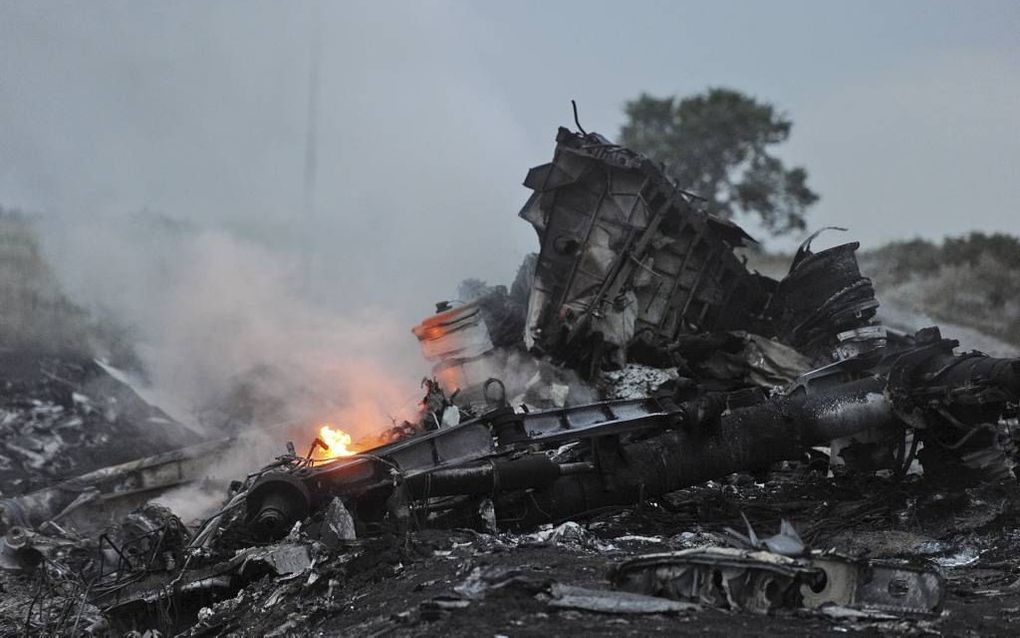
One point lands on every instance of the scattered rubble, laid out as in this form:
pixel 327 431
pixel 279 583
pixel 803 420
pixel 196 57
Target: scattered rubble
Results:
pixel 581 459
pixel 64 416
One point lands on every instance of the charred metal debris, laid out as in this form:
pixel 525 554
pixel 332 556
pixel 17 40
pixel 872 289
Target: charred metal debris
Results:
pixel 636 357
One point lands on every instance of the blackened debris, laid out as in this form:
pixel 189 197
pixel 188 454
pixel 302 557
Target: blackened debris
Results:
pixel 715 397
pixel 625 250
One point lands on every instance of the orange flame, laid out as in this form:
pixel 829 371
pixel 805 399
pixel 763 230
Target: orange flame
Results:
pixel 337 443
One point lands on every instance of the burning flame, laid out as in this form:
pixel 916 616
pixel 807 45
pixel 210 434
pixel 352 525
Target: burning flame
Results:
pixel 337 443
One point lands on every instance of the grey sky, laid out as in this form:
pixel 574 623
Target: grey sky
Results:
pixel 906 114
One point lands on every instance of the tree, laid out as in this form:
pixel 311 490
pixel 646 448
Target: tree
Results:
pixel 716 145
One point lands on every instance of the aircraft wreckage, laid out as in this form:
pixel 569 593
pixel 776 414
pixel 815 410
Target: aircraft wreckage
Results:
pixel 632 284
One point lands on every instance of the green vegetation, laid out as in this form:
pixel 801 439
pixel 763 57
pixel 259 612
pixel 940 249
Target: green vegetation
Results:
pixel 972 281
pixel 716 145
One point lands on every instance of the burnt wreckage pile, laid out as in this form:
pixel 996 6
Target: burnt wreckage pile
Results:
pixel 635 293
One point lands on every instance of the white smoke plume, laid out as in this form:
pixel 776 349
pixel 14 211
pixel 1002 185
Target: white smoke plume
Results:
pixel 225 331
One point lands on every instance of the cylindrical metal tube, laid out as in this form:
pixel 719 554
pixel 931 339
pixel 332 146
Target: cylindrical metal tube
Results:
pixel 740 440
pixel 531 471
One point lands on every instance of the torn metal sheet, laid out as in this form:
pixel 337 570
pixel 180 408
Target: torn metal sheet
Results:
pixel 624 250
pixel 281 560
pixel 337 525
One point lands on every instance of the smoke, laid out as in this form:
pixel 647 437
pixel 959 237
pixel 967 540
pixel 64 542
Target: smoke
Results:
pixel 232 341
pixel 537 382
pixel 189 110
pixel 201 499
pixel 225 331
pixel 199 111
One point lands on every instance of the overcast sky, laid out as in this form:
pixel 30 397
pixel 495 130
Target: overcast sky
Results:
pixel 906 114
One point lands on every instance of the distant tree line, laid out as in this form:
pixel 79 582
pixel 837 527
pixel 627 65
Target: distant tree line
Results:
pixel 972 280
pixel 923 257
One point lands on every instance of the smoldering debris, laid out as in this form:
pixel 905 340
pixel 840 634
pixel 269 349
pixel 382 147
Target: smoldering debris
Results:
pixel 585 444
